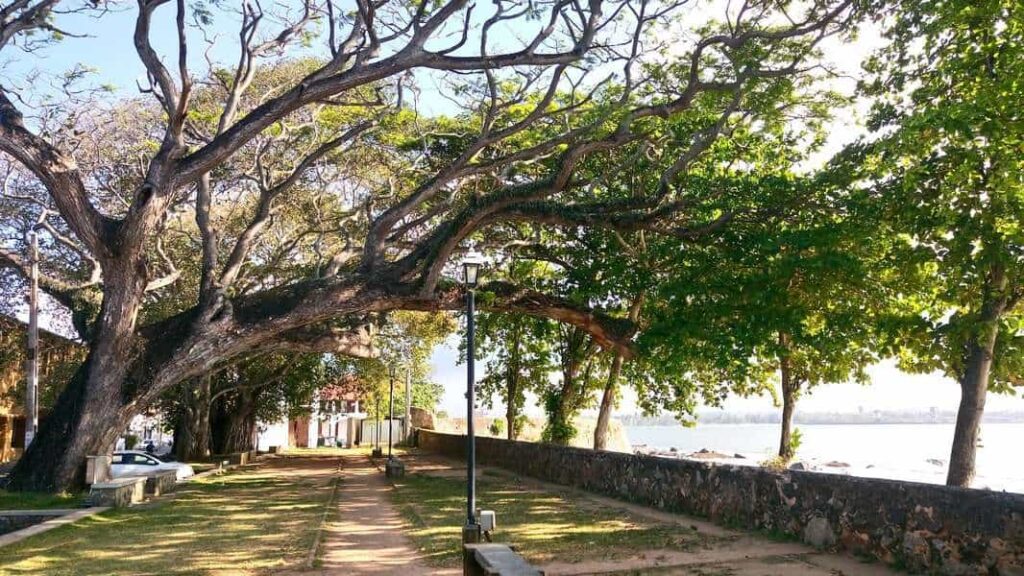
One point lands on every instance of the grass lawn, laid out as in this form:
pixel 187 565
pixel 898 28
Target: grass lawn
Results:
pixel 38 500
pixel 543 526
pixel 246 523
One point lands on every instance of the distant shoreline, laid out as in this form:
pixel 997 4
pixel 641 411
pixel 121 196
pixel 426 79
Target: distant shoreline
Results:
pixel 821 419
pixel 804 423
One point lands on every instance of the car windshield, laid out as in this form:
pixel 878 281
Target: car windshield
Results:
pixel 129 457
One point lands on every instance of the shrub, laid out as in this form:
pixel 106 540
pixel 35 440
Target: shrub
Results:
pixel 497 427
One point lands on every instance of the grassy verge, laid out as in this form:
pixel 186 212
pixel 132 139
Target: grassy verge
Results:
pixel 246 523
pixel 38 500
pixel 543 526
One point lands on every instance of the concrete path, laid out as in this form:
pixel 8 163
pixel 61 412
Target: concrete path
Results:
pixel 366 534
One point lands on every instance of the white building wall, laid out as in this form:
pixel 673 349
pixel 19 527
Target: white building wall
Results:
pixel 275 434
pixel 314 429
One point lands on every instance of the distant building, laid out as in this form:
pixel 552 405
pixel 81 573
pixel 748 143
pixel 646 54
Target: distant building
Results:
pixel 59 357
pixel 333 419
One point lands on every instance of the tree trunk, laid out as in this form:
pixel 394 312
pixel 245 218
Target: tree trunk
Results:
pixel 558 429
pixel 788 407
pixel 974 381
pixel 203 442
pixel 512 394
pixel 192 435
pixel 51 463
pixel 234 429
pixel 604 415
pixel 790 391
pixel 100 399
pixel 511 418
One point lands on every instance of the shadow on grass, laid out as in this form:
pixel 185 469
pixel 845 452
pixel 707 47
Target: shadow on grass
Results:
pixel 38 500
pixel 249 522
pixel 543 526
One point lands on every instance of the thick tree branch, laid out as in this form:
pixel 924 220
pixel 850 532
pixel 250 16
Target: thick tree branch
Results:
pixel 59 173
pixel 66 293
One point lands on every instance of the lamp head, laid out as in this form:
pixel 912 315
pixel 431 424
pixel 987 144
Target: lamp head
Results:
pixel 471 270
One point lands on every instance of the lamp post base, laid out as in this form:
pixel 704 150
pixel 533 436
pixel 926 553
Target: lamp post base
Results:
pixel 394 468
pixel 471 534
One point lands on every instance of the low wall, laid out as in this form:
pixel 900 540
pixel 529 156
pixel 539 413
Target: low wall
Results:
pixel 13 521
pixel 922 528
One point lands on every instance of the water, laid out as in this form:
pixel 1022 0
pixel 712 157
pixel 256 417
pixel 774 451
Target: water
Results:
pixel 897 451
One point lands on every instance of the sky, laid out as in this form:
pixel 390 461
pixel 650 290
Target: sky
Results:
pixel 111 53
pixel 890 389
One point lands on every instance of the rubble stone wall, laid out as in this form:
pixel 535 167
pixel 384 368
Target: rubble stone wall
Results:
pixel 921 528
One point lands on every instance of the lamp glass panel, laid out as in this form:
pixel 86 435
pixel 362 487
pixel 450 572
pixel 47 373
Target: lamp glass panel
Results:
pixel 471 270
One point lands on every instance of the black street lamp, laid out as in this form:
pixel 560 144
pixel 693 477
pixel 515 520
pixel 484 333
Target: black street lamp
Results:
pixel 471 532
pixel 393 467
pixel 376 439
pixel 391 407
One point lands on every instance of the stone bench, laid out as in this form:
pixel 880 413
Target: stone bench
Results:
pixel 120 492
pixel 497 560
pixel 161 482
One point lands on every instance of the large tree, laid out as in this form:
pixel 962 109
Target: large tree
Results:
pixel 796 299
pixel 508 69
pixel 518 353
pixel 941 176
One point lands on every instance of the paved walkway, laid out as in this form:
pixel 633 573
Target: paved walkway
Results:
pixel 366 535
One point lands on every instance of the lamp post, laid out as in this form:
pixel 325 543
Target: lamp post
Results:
pixel 376 439
pixel 407 427
pixel 393 468
pixel 471 531
pixel 391 407
pixel 32 362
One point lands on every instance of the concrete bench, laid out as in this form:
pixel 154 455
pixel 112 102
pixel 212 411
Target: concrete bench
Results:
pixel 498 560
pixel 161 482
pixel 119 492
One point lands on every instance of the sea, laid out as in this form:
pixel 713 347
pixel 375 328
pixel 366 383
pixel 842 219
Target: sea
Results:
pixel 914 452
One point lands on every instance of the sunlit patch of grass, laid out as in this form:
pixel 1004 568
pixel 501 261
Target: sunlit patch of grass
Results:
pixel 246 523
pixel 38 500
pixel 544 526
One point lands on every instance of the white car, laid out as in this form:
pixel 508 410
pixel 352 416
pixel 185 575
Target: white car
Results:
pixel 135 463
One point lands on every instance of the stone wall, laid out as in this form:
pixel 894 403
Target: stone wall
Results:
pixel 12 522
pixel 922 528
